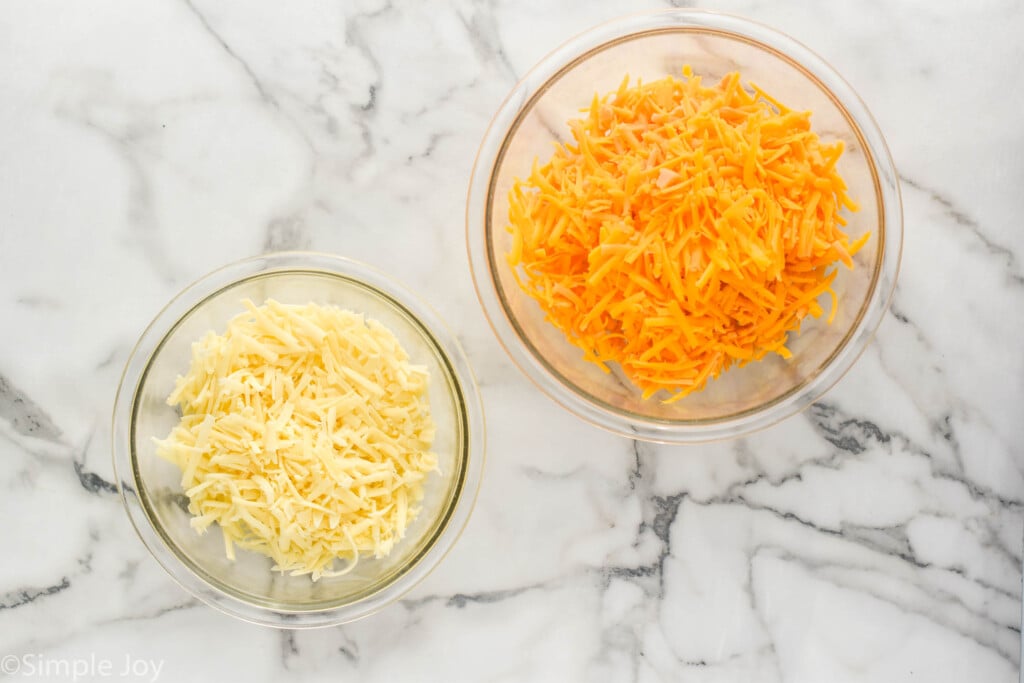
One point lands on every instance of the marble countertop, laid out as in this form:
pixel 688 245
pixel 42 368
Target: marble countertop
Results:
pixel 875 537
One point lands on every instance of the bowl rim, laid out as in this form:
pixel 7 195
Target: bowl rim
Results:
pixel 479 226
pixel 466 396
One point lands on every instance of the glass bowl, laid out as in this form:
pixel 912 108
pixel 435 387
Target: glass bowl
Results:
pixel 150 486
pixel 651 46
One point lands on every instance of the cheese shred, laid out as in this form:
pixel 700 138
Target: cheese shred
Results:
pixel 683 230
pixel 305 435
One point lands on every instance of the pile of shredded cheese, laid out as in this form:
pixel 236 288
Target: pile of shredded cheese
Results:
pixel 305 434
pixel 684 229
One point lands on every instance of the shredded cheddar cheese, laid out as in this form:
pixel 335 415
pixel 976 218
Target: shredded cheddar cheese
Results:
pixel 683 230
pixel 305 435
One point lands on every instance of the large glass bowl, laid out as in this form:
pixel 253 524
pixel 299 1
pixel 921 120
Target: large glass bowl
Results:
pixel 151 488
pixel 651 46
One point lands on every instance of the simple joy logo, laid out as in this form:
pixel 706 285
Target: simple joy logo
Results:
pixel 92 667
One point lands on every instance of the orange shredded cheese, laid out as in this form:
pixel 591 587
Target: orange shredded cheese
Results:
pixel 684 229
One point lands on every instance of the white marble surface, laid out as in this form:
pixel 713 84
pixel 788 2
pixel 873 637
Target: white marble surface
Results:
pixel 877 537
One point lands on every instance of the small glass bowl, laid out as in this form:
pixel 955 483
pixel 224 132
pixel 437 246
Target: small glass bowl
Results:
pixel 651 46
pixel 247 587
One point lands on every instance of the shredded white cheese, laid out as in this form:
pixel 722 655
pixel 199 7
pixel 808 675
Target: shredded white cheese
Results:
pixel 305 434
